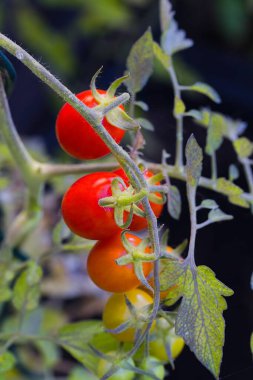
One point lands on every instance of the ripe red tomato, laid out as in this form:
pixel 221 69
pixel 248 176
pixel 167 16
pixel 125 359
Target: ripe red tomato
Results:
pixel 77 137
pixel 106 273
pixel 81 211
pixel 139 223
pixel 116 312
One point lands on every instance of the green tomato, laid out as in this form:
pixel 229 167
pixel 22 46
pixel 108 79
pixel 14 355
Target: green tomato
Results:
pixel 122 374
pixel 154 366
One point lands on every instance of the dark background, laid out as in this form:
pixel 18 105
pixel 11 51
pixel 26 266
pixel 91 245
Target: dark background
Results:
pixel 74 38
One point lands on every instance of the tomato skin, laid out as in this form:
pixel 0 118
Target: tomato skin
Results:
pixel 116 311
pixel 81 211
pixel 77 137
pixel 106 273
pixel 139 223
pixel 158 350
pixel 122 374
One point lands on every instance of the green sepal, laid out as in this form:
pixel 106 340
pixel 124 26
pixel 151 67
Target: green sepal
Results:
pixel 115 85
pixel 8 73
pixel 138 270
pixel 160 200
pixel 138 211
pixel 119 213
pixel 96 95
pixel 120 119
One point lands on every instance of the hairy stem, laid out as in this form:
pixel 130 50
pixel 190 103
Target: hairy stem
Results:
pixel 94 118
pixel 179 118
pixel 191 195
pixel 16 147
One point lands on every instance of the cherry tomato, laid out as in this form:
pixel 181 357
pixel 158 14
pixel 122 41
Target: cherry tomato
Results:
pixel 154 366
pixel 81 211
pixel 122 374
pixel 157 347
pixel 77 137
pixel 116 312
pixel 106 273
pixel 139 223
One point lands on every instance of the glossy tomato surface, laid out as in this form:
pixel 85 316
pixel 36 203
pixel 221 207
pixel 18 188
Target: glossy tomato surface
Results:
pixel 158 349
pixel 81 211
pixel 77 137
pixel 116 311
pixel 139 223
pixel 106 273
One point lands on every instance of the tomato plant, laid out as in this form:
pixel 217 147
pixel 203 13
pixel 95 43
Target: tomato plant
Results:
pixel 158 349
pixel 116 312
pixel 81 211
pixel 121 374
pixel 106 273
pixel 75 134
pixel 138 222
pixel 154 366
pixel 104 206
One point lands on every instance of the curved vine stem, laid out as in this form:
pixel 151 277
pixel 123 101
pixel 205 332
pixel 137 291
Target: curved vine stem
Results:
pixel 179 162
pixel 94 118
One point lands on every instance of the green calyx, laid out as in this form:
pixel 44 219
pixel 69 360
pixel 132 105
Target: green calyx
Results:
pixel 123 200
pixel 137 255
pixel 108 104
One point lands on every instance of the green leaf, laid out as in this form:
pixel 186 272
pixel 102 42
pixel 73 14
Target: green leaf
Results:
pixel 226 187
pixel 209 204
pixel 142 105
pixel 243 147
pixel 170 275
pixel 7 361
pixel 174 202
pixel 173 39
pixel 251 343
pixel 195 114
pixel 26 292
pixel 233 172
pixel 75 338
pixel 179 107
pixel 194 158
pixel 49 351
pixel 6 276
pixel 140 63
pixel 217 215
pixel 145 124
pixel 215 133
pixel 165 14
pixel 161 56
pixel 207 90
pixel 238 201
pixel 199 320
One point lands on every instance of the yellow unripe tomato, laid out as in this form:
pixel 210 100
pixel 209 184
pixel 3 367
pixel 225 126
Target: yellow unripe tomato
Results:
pixel 116 312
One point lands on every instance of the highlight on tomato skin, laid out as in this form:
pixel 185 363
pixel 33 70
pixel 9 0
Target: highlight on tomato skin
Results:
pixel 106 273
pixel 81 211
pixel 138 222
pixel 116 312
pixel 75 134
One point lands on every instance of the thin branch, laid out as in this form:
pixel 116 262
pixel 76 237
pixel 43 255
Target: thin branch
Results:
pixel 179 162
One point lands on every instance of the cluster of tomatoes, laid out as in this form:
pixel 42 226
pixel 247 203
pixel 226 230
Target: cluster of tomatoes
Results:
pixel 85 217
